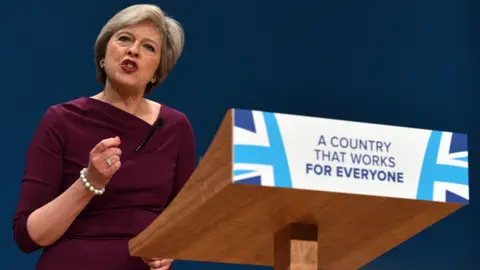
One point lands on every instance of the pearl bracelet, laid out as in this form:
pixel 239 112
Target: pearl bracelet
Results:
pixel 88 185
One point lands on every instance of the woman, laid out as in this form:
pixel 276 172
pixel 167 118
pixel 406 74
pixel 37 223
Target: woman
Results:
pixel 92 180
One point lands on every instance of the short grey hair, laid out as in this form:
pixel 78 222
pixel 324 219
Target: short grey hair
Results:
pixel 171 31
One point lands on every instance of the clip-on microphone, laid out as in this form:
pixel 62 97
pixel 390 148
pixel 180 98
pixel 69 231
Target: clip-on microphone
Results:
pixel 158 124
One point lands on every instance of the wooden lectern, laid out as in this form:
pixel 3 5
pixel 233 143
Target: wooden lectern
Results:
pixel 217 219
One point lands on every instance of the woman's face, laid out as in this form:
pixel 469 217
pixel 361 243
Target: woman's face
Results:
pixel 132 56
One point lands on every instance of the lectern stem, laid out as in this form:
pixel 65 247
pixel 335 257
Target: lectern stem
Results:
pixel 296 247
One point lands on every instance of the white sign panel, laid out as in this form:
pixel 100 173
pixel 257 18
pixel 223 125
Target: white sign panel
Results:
pixel 291 151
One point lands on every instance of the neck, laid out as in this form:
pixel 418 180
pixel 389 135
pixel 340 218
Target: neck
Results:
pixel 130 102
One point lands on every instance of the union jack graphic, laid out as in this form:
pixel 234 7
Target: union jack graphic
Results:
pixel 259 154
pixel 444 175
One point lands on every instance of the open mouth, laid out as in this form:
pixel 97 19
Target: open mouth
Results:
pixel 129 65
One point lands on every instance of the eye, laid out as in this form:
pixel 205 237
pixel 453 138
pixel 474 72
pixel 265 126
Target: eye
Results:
pixel 150 47
pixel 124 38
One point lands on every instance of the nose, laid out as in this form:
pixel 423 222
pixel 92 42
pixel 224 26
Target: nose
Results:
pixel 133 51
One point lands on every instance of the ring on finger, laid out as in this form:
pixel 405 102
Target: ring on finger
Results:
pixel 109 163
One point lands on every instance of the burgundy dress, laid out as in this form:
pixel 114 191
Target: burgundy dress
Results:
pixel 145 184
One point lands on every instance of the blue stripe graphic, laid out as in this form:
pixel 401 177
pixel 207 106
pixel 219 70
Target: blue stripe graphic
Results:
pixel 432 172
pixel 240 172
pixel 273 155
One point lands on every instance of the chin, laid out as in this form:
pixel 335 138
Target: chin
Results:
pixel 127 83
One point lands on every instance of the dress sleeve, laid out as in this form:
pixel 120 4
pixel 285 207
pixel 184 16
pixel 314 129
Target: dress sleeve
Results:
pixel 186 159
pixel 42 176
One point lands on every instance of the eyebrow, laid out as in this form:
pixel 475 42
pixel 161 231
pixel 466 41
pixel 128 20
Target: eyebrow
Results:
pixel 129 33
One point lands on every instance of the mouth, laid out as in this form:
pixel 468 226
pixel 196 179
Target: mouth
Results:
pixel 129 66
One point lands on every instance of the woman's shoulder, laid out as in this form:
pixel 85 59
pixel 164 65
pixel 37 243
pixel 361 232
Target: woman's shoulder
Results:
pixel 59 109
pixel 56 119
pixel 60 113
pixel 77 104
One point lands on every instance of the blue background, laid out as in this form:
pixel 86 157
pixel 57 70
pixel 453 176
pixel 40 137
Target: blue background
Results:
pixel 400 62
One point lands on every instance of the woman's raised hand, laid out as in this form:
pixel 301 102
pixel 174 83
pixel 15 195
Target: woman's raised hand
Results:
pixel 104 162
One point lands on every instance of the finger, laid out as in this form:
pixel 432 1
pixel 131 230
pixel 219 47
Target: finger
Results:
pixel 108 162
pixel 155 264
pixel 114 168
pixel 107 158
pixel 110 152
pixel 159 263
pixel 166 264
pixel 105 144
